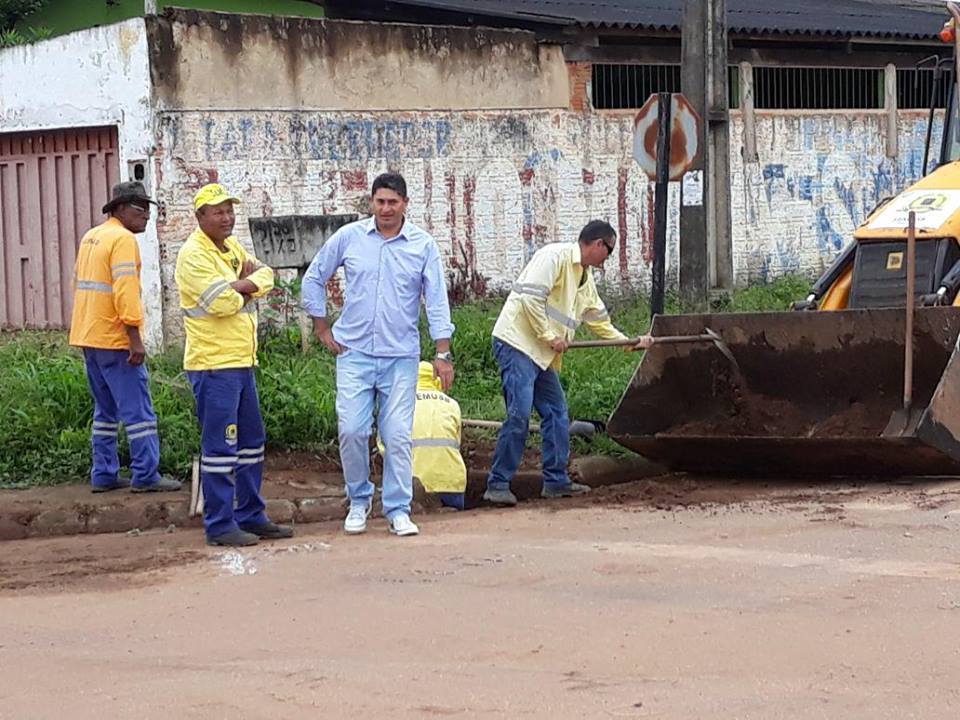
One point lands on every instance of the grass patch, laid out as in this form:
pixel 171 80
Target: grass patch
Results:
pixel 45 437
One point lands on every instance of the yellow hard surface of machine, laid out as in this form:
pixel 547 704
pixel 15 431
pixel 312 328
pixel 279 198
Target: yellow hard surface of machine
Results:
pixel 811 392
pixel 871 271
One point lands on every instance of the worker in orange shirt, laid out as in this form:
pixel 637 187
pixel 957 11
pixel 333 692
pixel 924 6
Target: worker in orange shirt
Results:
pixel 106 324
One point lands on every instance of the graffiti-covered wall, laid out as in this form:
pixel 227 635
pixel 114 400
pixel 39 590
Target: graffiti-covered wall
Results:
pixel 494 186
pixel 491 187
pixel 818 177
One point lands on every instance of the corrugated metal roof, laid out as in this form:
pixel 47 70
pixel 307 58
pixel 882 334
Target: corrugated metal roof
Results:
pixel 849 18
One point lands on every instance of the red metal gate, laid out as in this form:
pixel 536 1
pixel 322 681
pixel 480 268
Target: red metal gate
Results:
pixel 52 186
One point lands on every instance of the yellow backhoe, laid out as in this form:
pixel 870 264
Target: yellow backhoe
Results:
pixel 813 390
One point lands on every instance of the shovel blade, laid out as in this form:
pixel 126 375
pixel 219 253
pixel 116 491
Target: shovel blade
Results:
pixel 903 422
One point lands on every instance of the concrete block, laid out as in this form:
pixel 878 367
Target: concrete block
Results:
pixel 116 518
pixel 177 513
pixel 281 511
pixel 58 521
pixel 10 529
pixel 311 510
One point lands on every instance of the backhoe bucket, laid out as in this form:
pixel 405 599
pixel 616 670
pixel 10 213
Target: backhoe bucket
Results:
pixel 812 396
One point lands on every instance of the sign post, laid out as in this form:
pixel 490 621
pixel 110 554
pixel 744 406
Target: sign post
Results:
pixel 660 204
pixel 665 144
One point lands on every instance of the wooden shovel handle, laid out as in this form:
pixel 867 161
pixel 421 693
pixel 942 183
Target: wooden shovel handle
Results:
pixel 661 340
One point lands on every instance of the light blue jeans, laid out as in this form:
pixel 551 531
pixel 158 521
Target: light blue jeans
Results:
pixel 525 387
pixel 390 383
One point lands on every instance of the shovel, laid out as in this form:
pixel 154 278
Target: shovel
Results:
pixel 905 420
pixel 708 336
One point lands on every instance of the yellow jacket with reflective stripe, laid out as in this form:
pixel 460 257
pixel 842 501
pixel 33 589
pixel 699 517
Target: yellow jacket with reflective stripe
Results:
pixel 548 302
pixel 221 329
pixel 106 288
pixel 436 437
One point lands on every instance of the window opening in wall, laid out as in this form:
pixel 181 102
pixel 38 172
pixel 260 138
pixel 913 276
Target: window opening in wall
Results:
pixel 627 86
pixel 817 88
pixel 621 86
pixel 915 85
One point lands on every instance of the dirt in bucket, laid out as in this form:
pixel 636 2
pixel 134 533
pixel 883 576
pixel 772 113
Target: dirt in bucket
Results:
pixel 757 415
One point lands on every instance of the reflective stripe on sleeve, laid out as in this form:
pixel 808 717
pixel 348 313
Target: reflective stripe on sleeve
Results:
pixel 95 286
pixel 212 292
pixel 566 320
pixel 540 291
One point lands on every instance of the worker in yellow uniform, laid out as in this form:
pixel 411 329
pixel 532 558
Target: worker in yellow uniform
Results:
pixel 553 295
pixel 106 324
pixel 437 461
pixel 219 282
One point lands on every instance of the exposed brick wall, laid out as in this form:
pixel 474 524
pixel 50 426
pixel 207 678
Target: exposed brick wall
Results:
pixel 580 74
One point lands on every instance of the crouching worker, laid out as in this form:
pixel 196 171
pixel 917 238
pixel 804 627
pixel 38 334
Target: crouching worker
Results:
pixel 218 283
pixel 437 461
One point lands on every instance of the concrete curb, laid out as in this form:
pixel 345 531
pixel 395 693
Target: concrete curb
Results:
pixel 73 510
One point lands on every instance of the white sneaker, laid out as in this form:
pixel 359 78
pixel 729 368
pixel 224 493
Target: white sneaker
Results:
pixel 356 521
pixel 402 526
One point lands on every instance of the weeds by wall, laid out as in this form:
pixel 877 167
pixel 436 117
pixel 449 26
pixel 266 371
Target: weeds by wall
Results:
pixel 46 407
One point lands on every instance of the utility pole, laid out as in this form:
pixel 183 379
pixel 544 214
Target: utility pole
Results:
pixel 706 258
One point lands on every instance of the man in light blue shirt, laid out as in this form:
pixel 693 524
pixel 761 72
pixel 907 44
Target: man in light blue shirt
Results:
pixel 389 264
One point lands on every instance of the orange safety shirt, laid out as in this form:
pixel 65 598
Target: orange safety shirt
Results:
pixel 106 288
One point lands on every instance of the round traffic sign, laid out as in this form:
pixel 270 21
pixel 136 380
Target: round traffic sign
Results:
pixel 684 136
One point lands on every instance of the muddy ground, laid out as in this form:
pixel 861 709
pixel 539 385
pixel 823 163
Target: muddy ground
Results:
pixel 673 597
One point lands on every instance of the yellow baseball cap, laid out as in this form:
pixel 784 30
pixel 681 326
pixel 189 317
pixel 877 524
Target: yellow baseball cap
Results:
pixel 212 194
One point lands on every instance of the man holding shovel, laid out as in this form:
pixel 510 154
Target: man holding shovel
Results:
pixel 554 293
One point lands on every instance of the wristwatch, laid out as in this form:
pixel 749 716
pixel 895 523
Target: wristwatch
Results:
pixel 448 356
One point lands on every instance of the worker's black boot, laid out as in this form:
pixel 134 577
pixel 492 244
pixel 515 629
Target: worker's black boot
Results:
pixel 234 538
pixel 562 491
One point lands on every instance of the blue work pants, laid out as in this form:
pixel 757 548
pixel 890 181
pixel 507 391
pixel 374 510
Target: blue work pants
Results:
pixel 232 441
pixel 121 393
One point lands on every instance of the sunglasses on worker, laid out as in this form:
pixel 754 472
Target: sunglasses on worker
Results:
pixel 609 243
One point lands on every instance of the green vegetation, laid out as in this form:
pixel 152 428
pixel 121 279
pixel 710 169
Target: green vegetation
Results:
pixel 64 16
pixel 14 15
pixel 45 436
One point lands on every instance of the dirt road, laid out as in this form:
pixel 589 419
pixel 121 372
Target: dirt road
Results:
pixel 689 599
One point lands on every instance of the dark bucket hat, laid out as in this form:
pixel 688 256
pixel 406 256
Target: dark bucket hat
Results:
pixel 126 192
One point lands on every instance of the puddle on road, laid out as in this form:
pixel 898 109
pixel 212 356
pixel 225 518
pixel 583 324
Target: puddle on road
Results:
pixel 234 562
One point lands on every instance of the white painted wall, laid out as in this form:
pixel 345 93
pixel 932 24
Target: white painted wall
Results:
pixel 99 76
